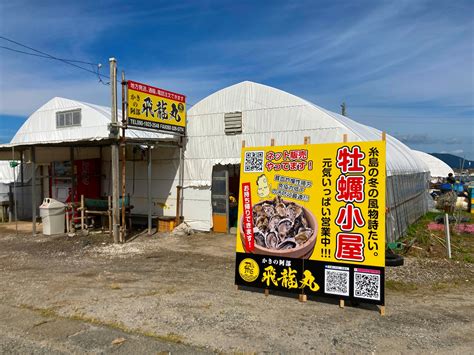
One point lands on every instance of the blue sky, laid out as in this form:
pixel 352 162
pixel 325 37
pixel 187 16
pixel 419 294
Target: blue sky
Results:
pixel 406 67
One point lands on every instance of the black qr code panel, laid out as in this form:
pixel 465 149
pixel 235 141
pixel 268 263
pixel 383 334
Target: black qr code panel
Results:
pixel 336 282
pixel 253 162
pixel 367 286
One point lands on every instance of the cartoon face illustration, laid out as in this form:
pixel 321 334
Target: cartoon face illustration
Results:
pixel 263 189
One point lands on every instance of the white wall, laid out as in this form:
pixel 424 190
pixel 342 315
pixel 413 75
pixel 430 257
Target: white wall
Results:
pixel 164 172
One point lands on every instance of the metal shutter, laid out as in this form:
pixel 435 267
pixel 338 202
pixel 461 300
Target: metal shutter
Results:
pixel 233 123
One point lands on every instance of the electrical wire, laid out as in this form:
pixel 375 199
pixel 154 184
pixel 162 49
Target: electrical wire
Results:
pixel 49 56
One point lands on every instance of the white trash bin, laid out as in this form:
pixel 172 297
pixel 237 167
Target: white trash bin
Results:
pixel 52 213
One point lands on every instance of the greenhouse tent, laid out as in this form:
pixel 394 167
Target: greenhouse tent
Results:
pixel 438 168
pixel 65 130
pixel 268 113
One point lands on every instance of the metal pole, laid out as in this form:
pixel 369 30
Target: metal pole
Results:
pixel 114 152
pixel 181 174
pixel 33 188
pixel 124 157
pixel 149 188
pixel 14 191
pixel 179 187
pixel 22 179
pixel 73 186
pixel 448 236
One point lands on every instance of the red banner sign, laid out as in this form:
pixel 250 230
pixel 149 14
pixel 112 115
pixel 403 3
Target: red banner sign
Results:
pixel 247 216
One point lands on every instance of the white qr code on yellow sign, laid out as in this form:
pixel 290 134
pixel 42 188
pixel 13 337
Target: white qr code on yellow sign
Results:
pixel 253 162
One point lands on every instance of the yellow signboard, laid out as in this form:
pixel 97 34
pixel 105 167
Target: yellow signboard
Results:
pixel 154 108
pixel 316 211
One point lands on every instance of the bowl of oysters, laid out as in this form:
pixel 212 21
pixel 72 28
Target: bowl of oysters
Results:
pixel 282 228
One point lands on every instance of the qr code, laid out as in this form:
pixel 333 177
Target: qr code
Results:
pixel 336 282
pixel 253 162
pixel 367 286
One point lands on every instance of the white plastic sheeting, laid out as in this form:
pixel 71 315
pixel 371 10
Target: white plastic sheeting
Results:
pixel 6 172
pixel 438 168
pixel 271 113
pixel 40 127
pixel 6 177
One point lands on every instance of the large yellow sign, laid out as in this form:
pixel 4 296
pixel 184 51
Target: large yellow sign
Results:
pixel 151 107
pixel 315 213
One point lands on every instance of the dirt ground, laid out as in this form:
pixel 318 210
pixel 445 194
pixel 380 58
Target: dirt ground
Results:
pixel 176 294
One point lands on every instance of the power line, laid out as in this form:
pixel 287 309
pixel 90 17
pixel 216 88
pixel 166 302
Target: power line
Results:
pixel 49 56
pixel 45 56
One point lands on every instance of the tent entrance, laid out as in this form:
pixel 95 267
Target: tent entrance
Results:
pixel 225 194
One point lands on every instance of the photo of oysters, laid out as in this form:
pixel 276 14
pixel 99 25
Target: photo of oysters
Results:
pixel 283 228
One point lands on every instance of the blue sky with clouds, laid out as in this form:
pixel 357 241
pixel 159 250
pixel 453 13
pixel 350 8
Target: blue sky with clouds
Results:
pixel 406 67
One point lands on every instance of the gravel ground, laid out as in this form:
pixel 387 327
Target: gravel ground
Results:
pixel 179 293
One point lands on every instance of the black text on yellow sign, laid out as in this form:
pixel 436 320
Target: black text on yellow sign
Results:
pixel 154 108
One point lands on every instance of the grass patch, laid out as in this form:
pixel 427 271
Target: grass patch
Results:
pixel 45 312
pixel 400 286
pixel 421 242
pixel 439 286
pixel 50 313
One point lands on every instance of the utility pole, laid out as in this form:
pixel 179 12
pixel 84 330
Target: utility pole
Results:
pixel 114 152
pixel 343 109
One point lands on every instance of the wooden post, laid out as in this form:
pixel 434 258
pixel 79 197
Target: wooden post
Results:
pixel 341 303
pixel 447 235
pixel 267 292
pixel 302 297
pixel 384 136
pixel 110 214
pixel 73 186
pixel 22 179
pixel 344 137
pixel 178 204
pixel 42 196
pixel 82 212
pixel 307 140
pixel 243 144
pixel 179 187
pixel 272 142
pixel 382 311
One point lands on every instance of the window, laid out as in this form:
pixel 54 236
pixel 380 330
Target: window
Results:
pixel 68 118
pixel 233 123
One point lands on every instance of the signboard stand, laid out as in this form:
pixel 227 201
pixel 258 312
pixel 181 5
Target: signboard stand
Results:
pixel 382 307
pixel 332 199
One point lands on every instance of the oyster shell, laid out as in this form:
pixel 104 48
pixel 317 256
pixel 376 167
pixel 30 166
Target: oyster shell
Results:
pixel 294 211
pixel 262 223
pixel 281 210
pixel 273 224
pixel 303 235
pixel 289 243
pixel 268 209
pixel 259 239
pixel 284 227
pixel 280 225
pixel 271 240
